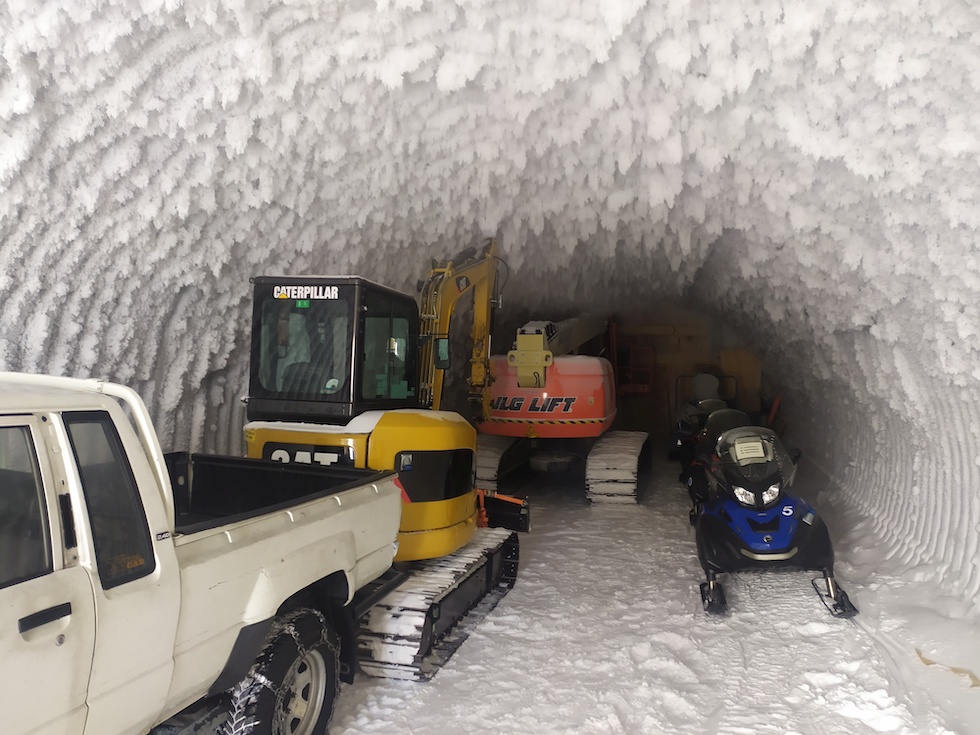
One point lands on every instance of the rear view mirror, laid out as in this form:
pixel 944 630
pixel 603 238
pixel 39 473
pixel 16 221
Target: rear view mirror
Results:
pixel 396 347
pixel 441 353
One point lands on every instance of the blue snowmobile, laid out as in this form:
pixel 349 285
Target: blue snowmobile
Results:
pixel 746 520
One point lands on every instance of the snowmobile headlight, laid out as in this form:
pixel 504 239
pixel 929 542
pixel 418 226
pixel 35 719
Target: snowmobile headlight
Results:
pixel 770 494
pixel 743 496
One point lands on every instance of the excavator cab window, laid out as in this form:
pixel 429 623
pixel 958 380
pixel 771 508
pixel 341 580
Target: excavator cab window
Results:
pixel 303 347
pixel 389 361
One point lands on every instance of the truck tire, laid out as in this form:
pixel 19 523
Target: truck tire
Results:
pixel 293 684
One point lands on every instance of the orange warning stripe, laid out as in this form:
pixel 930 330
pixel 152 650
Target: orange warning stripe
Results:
pixel 547 421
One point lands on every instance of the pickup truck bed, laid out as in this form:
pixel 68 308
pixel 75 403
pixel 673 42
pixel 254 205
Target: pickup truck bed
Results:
pixel 211 490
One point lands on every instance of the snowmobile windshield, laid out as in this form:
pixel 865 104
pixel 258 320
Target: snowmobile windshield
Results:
pixel 756 454
pixel 723 420
pixel 695 415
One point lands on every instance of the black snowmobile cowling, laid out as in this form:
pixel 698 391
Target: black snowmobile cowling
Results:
pixel 751 465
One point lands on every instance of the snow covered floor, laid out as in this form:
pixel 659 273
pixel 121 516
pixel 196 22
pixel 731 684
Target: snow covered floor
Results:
pixel 604 633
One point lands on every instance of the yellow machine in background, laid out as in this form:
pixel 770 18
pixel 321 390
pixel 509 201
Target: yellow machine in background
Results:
pixel 345 371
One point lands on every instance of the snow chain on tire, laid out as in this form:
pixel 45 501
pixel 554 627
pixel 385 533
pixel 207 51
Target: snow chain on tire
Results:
pixel 244 695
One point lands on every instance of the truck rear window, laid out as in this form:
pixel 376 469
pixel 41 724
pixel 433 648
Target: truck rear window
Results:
pixel 123 549
pixel 25 551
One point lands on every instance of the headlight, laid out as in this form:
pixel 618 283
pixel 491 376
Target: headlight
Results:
pixel 769 495
pixel 743 496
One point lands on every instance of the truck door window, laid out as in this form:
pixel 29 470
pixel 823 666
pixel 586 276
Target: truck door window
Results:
pixel 123 549
pixel 25 549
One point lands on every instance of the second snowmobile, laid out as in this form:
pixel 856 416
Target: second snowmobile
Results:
pixel 747 519
pixel 687 430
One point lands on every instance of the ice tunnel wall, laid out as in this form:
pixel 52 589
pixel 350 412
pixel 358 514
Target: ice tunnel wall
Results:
pixel 805 171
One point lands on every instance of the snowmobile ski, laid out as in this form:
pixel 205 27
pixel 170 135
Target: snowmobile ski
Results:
pixel 834 598
pixel 713 598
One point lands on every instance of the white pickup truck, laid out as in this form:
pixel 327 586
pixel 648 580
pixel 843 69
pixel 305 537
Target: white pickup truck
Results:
pixel 133 584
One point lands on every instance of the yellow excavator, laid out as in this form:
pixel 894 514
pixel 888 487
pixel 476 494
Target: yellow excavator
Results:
pixel 348 372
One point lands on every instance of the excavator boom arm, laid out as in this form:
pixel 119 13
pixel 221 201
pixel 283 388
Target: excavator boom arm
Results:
pixel 471 271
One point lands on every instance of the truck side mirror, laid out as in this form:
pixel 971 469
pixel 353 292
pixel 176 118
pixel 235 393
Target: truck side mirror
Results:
pixel 441 353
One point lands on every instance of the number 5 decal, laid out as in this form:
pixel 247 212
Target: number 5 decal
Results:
pixel 787 510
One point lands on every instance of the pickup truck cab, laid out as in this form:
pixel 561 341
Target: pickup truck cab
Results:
pixel 133 584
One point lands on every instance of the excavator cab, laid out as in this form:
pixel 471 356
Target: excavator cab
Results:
pixel 327 349
pixel 333 380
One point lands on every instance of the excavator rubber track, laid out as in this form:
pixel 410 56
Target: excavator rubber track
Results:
pixel 413 630
pixel 489 450
pixel 615 466
pixel 497 457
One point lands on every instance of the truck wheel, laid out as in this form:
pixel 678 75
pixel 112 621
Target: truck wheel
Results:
pixel 293 684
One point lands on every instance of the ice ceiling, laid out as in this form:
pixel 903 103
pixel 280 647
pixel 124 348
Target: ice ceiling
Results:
pixel 806 170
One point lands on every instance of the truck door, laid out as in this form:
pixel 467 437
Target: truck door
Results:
pixel 47 612
pixel 134 573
